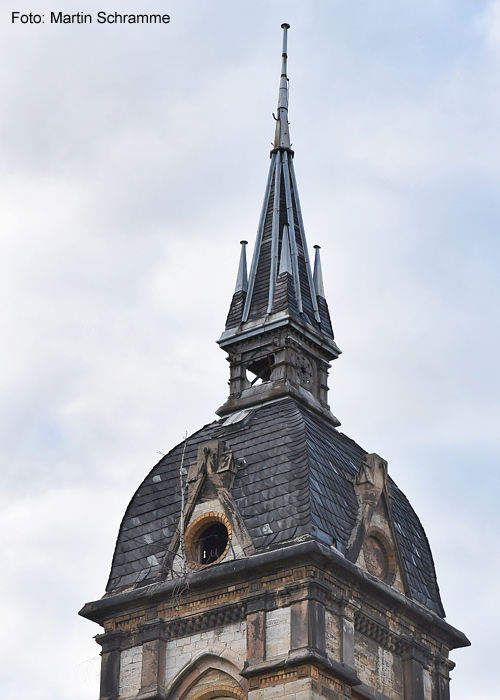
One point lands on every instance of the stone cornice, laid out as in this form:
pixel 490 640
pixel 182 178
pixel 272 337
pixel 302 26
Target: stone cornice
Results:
pixel 309 552
pixel 299 657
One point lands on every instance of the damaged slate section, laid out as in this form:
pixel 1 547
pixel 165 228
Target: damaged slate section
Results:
pixel 295 478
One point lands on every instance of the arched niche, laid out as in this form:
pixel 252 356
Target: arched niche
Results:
pixel 209 677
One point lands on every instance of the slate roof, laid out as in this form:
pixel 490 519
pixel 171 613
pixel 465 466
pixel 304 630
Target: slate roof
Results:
pixel 297 295
pixel 295 478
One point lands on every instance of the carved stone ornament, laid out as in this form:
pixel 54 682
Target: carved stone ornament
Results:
pixel 369 485
pixel 215 467
pixel 376 559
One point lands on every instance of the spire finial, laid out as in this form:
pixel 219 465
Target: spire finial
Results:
pixel 281 135
pixel 318 274
pixel 242 279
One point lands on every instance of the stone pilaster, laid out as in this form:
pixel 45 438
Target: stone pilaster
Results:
pixel 413 667
pixel 308 626
pixel 346 620
pixel 153 671
pixel 443 668
pixel 256 636
pixel 110 664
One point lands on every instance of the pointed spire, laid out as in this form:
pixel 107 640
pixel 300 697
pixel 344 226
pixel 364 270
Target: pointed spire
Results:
pixel 285 260
pixel 242 278
pixel 281 134
pixel 318 274
pixel 265 298
pixel 280 309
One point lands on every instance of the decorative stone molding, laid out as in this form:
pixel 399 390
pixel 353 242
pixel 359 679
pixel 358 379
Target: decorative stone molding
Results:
pixel 210 477
pixel 196 603
pixel 287 675
pixel 266 579
pixel 378 633
pixel 215 466
pixel 222 691
pixel 183 627
pixel 388 576
pixel 207 675
pixel 300 659
pixel 369 485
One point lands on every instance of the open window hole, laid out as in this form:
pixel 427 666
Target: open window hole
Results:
pixel 212 543
pixel 259 371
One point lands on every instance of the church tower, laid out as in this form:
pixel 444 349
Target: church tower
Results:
pixel 268 556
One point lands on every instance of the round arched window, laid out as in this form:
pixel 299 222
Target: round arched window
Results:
pixel 211 544
pixel 207 540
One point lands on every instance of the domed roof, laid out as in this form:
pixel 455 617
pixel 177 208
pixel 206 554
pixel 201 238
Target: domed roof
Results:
pixel 295 480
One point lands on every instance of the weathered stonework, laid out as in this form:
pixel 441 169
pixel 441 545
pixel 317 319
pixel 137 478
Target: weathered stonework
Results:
pixel 214 681
pixel 380 528
pixel 301 632
pixel 130 672
pixel 332 634
pixel 293 633
pixel 277 632
pixel 181 652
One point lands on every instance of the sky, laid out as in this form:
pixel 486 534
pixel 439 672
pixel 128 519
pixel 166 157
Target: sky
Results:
pixel 133 160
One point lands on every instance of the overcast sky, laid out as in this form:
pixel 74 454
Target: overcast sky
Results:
pixel 133 160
